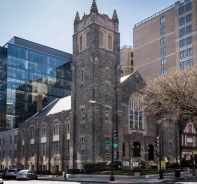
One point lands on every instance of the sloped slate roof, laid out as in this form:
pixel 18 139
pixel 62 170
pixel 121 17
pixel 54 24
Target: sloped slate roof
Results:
pixel 122 79
pixel 58 105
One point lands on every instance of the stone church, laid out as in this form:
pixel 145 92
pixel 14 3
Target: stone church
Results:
pixel 78 129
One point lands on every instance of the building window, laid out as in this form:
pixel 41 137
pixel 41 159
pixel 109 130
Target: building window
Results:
pixel 189 51
pixel 68 127
pixel 188 6
pixel 32 131
pixel 188 29
pixel 189 18
pixel 68 147
pixel 87 39
pixel 162 30
pixel 181 10
pixel 107 144
pixel 163 51
pixel 43 131
pixel 183 64
pixel 32 150
pixel 189 40
pixel 56 148
pixel 182 54
pixel 110 42
pixel 181 21
pixel 190 62
pixel 82 146
pixel 15 154
pixel 163 71
pixel 82 113
pixel 106 113
pixel 163 61
pixel 10 153
pixel 162 40
pixel 56 129
pixel 100 38
pixel 162 20
pixel 23 150
pixel 80 43
pixel 10 139
pixel 182 32
pixel 43 149
pixel 182 43
pixel 82 76
pixel 135 112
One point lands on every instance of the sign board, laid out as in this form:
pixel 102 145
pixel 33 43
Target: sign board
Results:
pixel 190 140
pixel 135 164
pixel 125 163
pixel 163 165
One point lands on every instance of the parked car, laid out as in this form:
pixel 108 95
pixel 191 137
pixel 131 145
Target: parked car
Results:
pixel 1 181
pixel 2 173
pixel 26 174
pixel 11 173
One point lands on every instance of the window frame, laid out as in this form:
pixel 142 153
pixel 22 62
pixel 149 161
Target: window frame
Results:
pixel 181 10
pixel 162 19
pixel 163 51
pixel 162 30
pixel 163 61
pixel 181 21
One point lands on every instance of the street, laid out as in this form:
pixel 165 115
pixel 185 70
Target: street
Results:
pixel 142 181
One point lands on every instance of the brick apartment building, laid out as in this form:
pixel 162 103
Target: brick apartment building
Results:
pixel 166 39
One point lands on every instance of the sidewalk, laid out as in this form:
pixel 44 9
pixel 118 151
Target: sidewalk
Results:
pixel 170 177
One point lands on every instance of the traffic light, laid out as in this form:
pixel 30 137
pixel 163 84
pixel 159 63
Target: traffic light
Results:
pixel 115 135
pixel 157 142
pixel 157 146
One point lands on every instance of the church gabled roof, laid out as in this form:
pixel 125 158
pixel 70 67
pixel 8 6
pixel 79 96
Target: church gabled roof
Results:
pixel 58 105
pixel 94 7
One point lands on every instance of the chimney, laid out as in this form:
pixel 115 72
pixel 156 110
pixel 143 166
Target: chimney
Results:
pixel 39 103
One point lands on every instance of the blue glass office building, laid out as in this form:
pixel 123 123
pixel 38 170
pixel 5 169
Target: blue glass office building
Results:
pixel 28 69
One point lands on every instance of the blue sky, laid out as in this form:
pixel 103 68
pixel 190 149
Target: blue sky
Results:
pixel 50 22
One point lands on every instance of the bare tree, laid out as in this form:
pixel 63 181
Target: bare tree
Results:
pixel 172 96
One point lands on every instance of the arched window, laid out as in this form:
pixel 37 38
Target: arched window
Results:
pixel 135 112
pixel 56 129
pixel 80 43
pixel 100 38
pixel 87 39
pixel 110 42
pixel 136 149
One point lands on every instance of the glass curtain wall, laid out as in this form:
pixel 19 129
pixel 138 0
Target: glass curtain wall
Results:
pixel 30 73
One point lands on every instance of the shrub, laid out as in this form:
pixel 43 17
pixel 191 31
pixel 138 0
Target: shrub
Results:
pixel 73 171
pixel 137 169
pixel 90 168
pixel 116 164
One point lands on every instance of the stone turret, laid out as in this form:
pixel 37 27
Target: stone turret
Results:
pixel 77 19
pixel 94 7
pixel 115 20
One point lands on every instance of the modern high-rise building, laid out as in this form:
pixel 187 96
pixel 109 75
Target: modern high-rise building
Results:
pixel 126 60
pixel 166 39
pixel 28 69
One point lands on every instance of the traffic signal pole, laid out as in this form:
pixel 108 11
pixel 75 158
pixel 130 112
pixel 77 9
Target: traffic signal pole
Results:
pixel 160 170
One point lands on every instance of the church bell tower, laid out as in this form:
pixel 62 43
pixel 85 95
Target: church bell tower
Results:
pixel 96 79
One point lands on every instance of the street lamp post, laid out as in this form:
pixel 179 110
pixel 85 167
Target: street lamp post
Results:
pixel 112 178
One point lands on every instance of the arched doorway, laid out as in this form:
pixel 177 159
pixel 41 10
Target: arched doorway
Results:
pixel 136 149
pixel 150 152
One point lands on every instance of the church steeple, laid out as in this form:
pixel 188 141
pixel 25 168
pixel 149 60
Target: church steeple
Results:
pixel 94 7
pixel 115 17
pixel 77 18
